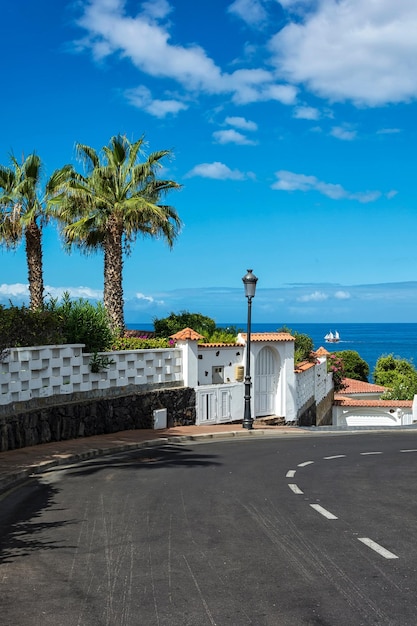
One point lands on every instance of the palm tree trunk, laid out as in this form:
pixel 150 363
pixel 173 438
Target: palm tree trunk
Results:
pixel 113 273
pixel 33 241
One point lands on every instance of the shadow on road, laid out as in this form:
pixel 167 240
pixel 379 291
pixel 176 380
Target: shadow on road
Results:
pixel 19 539
pixel 147 459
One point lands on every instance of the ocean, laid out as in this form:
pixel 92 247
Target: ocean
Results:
pixel 370 340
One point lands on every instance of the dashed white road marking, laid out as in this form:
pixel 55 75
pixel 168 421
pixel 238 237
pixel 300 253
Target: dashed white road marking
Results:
pixel 290 474
pixel 336 456
pixel 295 488
pixel 305 463
pixel 408 450
pixel 323 511
pixel 369 453
pixel 379 549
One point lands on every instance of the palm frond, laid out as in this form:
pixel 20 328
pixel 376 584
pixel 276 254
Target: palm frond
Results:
pixel 87 155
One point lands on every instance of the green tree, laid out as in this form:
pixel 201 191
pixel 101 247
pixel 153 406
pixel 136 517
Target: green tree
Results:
pixel 23 213
pixel 399 375
pixel 118 198
pixel 21 326
pixel 303 346
pixel 353 365
pixel 167 326
pixel 83 322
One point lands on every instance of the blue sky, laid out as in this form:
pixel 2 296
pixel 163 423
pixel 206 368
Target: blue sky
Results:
pixel 293 127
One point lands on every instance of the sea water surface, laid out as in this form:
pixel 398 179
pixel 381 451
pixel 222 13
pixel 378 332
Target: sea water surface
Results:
pixel 370 340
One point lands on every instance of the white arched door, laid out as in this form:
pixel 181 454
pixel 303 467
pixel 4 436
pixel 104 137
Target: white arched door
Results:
pixel 266 378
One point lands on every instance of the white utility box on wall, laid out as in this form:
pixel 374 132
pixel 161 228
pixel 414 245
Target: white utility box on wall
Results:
pixel 159 418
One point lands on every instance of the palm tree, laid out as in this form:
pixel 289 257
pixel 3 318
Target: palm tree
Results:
pixel 107 207
pixel 23 213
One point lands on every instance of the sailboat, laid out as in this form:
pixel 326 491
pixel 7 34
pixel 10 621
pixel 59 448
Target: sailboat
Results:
pixel 332 337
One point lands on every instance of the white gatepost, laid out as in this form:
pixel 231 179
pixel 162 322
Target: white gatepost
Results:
pixel 187 340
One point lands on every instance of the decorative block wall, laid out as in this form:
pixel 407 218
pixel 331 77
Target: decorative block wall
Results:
pixel 38 372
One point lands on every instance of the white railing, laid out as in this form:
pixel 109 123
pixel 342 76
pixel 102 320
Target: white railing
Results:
pixel 38 372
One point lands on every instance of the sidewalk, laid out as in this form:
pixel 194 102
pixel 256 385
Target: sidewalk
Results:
pixel 17 465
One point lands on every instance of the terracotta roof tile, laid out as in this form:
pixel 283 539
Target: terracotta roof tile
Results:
pixel 303 366
pixel 358 386
pixel 187 334
pixel 268 337
pixel 322 352
pixel 346 401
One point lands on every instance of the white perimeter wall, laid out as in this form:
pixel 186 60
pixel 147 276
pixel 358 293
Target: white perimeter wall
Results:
pixel 371 416
pixel 28 373
pixel 227 357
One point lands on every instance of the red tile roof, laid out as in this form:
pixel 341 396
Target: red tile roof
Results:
pixel 340 400
pixel 303 366
pixel 322 352
pixel 358 386
pixel 187 334
pixel 268 337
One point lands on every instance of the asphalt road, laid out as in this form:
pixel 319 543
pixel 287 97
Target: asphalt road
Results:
pixel 267 532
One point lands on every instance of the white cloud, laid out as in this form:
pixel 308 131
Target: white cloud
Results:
pixel 14 290
pixel 146 44
pixel 146 41
pixel 21 292
pixel 148 299
pixel 316 296
pixel 242 123
pixel 75 292
pixel 141 98
pixel 388 131
pixel 343 132
pixel 306 113
pixel 290 4
pixel 252 12
pixel 358 50
pixel 290 181
pixel 156 9
pixel 216 170
pixel 232 136
pixel 342 295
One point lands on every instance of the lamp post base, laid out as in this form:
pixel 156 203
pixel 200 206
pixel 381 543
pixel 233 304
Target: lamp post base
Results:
pixel 248 424
pixel 247 415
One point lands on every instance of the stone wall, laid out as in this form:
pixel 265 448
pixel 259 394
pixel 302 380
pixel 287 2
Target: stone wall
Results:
pixel 324 410
pixel 316 413
pixel 307 415
pixel 96 416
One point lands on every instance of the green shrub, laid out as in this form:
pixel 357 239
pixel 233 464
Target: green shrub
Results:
pixel 354 366
pixel 223 335
pixel 83 322
pixel 137 343
pixel 99 363
pixel 303 345
pixel 335 366
pixel 20 326
pixel 167 326
pixel 399 375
